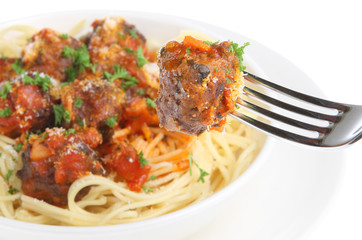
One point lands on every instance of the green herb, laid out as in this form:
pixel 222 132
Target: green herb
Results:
pixel 64 84
pixel 129 50
pixel 203 173
pixel 217 69
pixel 6 112
pixel 121 35
pixel 5 90
pixel 133 33
pixel 237 106
pixel 93 67
pixel 152 177
pixel 69 131
pixel 18 147
pixel 28 39
pixel 141 60
pixel 64 36
pixel 42 82
pixel 71 73
pixel 228 80
pixel 58 113
pixel 16 66
pixel 143 161
pixel 140 91
pixel 150 102
pixel 146 190
pixel 78 102
pixel 3 57
pixel 1 154
pixel 188 51
pixel 80 122
pixel 111 121
pixel 12 191
pixel 119 72
pixel 8 175
pixel 80 58
pixel 227 70
pixel 66 116
pixel 211 43
pixel 239 52
pixel 44 136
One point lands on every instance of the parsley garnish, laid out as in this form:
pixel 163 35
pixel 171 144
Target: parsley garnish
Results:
pixel 211 43
pixel 111 121
pixel 203 173
pixel 228 80
pixel 150 102
pixel 18 147
pixel 3 57
pixel 69 131
pixel 17 67
pixel 8 175
pixel 152 177
pixel 121 73
pixel 121 35
pixel 239 51
pixel 141 60
pixel 13 191
pixel 78 102
pixel 44 136
pixel 71 73
pixel 64 36
pixel 60 113
pixel 80 122
pixel 80 58
pixel 227 70
pixel 6 112
pixel 188 51
pixel 43 82
pixel 140 91
pixel 129 50
pixel 146 190
pixel 237 106
pixel 5 90
pixel 217 69
pixel 133 33
pixel 143 161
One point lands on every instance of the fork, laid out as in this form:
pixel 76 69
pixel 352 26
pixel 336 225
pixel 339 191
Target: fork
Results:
pixel 343 128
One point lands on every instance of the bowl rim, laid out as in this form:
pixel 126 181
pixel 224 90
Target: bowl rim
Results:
pixel 193 208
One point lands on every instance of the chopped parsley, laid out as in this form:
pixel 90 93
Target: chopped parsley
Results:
pixel 143 161
pixel 228 71
pixel 122 73
pixel 42 82
pixel 237 106
pixel 150 102
pixel 111 121
pixel 188 51
pixel 239 51
pixel 80 122
pixel 141 60
pixel 64 36
pixel 129 50
pixel 18 147
pixel 60 113
pixel 80 58
pixel 133 33
pixel 152 177
pixel 211 43
pixel 6 112
pixel 217 69
pixel 44 136
pixel 146 189
pixel 228 80
pixel 16 66
pixel 203 173
pixel 69 131
pixel 8 175
pixel 121 35
pixel 3 57
pixel 12 191
pixel 140 91
pixel 5 90
pixel 78 102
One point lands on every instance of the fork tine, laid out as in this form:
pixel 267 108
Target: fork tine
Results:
pixel 259 110
pixel 291 93
pixel 276 131
pixel 292 108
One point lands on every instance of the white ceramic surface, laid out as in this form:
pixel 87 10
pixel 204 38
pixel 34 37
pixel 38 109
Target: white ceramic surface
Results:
pixel 276 200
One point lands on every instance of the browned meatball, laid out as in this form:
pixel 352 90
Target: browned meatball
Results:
pixel 25 105
pixel 199 83
pixel 93 103
pixel 114 42
pixel 44 53
pixel 53 160
pixel 6 71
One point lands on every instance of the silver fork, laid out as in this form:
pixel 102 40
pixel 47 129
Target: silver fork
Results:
pixel 343 128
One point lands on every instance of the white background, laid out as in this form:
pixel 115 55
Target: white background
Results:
pixel 323 38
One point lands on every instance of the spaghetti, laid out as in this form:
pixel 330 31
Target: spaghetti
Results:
pixel 183 170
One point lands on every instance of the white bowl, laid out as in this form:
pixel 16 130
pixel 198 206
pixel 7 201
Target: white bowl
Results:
pixel 176 225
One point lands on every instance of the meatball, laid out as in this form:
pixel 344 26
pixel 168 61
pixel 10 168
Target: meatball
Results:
pixel 123 159
pixel 93 103
pixel 199 83
pixel 114 42
pixel 26 105
pixel 6 71
pixel 53 160
pixel 44 53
